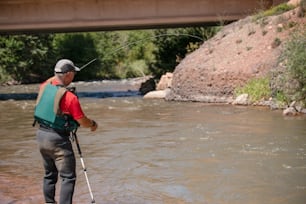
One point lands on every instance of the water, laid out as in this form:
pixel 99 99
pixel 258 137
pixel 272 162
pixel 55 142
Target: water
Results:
pixel 152 151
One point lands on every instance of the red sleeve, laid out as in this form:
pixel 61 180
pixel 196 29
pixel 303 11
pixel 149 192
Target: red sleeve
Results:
pixel 70 105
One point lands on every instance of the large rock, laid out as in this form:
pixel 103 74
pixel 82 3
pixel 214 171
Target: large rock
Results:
pixel 242 99
pixel 162 88
pixel 147 86
pixel 160 94
pixel 291 111
pixel 165 81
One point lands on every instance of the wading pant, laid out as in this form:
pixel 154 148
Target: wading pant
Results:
pixel 58 157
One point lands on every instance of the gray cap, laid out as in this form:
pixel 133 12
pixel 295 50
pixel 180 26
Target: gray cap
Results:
pixel 65 65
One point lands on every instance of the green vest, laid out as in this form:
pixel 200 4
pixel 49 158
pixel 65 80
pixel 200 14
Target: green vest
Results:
pixel 47 111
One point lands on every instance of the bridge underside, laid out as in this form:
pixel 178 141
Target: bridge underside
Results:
pixel 33 16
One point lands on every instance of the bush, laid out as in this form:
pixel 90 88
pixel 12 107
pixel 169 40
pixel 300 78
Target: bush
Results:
pixel 80 48
pixel 288 79
pixel 279 9
pixel 257 89
pixel 173 45
pixel 294 57
pixel 25 58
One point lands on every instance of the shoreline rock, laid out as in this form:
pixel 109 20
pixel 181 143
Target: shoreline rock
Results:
pixel 158 94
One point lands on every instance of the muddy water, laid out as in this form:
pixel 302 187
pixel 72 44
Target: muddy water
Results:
pixel 152 151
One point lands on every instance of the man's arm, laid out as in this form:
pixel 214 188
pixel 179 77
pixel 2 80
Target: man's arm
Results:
pixel 75 110
pixel 88 123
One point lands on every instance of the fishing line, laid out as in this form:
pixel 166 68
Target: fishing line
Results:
pixel 139 41
pixel 156 36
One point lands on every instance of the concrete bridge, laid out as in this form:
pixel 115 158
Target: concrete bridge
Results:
pixel 32 16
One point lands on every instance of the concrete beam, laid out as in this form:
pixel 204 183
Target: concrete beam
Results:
pixel 19 16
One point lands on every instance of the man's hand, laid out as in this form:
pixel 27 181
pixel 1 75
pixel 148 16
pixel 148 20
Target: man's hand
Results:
pixel 94 125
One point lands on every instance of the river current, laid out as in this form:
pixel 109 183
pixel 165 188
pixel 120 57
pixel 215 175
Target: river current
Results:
pixel 155 152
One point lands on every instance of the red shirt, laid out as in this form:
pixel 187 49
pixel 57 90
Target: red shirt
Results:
pixel 69 103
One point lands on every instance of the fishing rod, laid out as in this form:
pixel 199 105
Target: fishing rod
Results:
pixel 88 63
pixel 83 165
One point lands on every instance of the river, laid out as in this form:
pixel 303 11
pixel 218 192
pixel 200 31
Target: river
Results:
pixel 156 152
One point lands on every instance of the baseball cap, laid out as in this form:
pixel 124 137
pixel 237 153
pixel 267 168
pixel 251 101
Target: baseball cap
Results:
pixel 65 65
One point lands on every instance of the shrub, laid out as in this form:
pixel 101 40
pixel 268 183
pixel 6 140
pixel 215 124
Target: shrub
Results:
pixel 282 99
pixel 25 58
pixel 279 9
pixel 276 42
pixel 295 57
pixel 288 79
pixel 257 89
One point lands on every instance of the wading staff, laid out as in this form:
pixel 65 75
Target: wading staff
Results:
pixel 83 165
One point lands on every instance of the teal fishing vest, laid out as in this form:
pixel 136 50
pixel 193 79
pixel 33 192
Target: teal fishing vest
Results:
pixel 48 113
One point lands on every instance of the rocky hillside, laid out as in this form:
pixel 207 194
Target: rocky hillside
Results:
pixel 240 51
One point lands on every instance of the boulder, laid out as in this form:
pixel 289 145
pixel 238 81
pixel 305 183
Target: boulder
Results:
pixel 241 100
pixel 147 86
pixel 165 81
pixel 159 94
pixel 291 111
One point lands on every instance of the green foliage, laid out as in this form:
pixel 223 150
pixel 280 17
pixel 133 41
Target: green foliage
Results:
pixel 295 57
pixel 109 58
pixel 257 89
pixel 282 99
pixel 124 54
pixel 276 42
pixel 279 9
pixel 173 44
pixel 80 48
pixel 120 54
pixel 137 49
pixel 25 58
pixel 192 46
pixel 4 76
pixel 135 69
pixel 276 10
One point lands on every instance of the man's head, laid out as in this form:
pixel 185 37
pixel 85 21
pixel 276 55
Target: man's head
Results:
pixel 65 71
pixel 64 66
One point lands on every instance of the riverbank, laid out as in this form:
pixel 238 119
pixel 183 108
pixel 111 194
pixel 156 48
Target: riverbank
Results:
pixel 247 49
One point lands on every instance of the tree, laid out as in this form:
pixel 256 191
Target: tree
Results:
pixel 174 44
pixel 25 58
pixel 138 47
pixel 125 54
pixel 80 48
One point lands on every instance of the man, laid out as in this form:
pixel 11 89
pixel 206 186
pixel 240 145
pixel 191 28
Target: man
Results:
pixel 58 113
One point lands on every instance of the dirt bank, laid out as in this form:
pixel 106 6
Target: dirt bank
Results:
pixel 242 50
